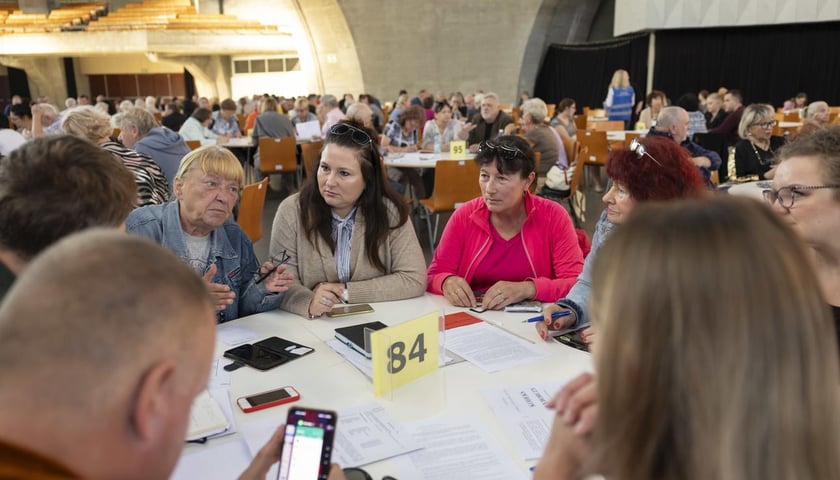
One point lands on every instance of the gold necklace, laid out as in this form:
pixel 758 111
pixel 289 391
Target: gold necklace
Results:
pixel 761 161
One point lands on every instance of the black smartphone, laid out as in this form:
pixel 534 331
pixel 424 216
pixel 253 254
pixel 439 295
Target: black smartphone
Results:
pixel 573 339
pixel 256 356
pixel 307 444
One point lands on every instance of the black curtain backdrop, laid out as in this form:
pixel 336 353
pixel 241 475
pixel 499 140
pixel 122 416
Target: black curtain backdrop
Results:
pixel 583 72
pixel 768 64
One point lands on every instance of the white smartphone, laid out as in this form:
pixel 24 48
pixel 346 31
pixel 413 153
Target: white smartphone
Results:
pixel 271 398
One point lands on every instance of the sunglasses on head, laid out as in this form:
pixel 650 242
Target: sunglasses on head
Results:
pixel 507 152
pixel 639 149
pixel 359 136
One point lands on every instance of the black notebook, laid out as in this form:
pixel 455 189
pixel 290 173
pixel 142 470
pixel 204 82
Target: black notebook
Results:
pixel 354 336
pixel 268 353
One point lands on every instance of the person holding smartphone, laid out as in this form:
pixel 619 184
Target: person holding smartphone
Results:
pixel 631 172
pixel 347 232
pixel 99 376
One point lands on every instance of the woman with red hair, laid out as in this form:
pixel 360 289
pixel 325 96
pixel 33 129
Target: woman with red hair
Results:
pixel 654 169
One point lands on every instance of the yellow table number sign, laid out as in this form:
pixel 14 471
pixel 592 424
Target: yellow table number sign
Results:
pixel 403 353
pixel 458 149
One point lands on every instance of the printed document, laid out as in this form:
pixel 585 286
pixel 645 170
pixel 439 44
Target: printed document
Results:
pixel 491 348
pixel 457 448
pixel 521 411
pixel 367 434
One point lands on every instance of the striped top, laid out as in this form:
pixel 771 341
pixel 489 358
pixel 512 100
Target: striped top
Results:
pixel 342 233
pixel 152 187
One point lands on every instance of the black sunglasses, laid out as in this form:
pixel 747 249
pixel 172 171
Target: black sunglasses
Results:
pixel 359 136
pixel 507 152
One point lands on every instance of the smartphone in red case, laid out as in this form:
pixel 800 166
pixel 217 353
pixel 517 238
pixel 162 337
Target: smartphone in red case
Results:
pixel 271 398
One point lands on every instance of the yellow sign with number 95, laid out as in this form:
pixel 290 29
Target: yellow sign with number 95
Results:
pixel 403 353
pixel 458 149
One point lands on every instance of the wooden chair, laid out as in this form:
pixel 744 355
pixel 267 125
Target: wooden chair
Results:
pixel 537 160
pixel 792 116
pixel 594 149
pixel 629 137
pixel 577 201
pixel 278 155
pixel 241 118
pixel 455 182
pixel 580 122
pixel 193 144
pixel 570 146
pixel 310 154
pixel 251 209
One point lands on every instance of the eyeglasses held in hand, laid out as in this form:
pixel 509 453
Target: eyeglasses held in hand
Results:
pixel 283 260
pixel 787 195
pixel 359 136
pixel 507 152
pixel 639 149
pixel 770 124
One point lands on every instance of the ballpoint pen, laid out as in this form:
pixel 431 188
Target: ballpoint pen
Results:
pixel 345 295
pixel 554 316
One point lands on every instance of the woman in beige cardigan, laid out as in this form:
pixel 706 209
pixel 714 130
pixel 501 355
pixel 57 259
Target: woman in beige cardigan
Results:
pixel 347 233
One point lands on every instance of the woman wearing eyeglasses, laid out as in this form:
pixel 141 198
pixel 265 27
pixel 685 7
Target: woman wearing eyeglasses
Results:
pixel 806 193
pixel 655 169
pixel 754 154
pixel 709 319
pixel 347 232
pixel 507 245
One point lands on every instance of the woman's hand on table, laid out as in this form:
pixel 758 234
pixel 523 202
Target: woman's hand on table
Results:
pixel 458 292
pixel 326 295
pixel 549 323
pixel 279 280
pixel 502 294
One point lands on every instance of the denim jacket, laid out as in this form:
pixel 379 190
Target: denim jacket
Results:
pixel 230 250
pixel 578 297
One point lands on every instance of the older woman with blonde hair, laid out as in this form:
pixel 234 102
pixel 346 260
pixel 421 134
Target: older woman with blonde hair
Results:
pixel 754 154
pixel 727 370
pixel 198 227
pixel 92 124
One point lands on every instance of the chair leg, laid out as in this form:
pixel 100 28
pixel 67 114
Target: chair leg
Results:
pixel 428 219
pixel 434 237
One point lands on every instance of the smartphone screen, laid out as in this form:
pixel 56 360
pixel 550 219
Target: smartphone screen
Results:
pixel 268 397
pixel 307 445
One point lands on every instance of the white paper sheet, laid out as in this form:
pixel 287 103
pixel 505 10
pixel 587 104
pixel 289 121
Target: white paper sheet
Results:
pixel 521 411
pixel 227 460
pixel 307 130
pixel 491 348
pixel 458 448
pixel 234 335
pixel 219 377
pixel 367 434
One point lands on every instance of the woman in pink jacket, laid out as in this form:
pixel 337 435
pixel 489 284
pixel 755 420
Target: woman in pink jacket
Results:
pixel 507 245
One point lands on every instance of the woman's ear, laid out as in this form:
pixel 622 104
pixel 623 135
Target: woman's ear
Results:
pixel 177 186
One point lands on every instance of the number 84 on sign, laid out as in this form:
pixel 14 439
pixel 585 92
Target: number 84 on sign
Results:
pixel 403 353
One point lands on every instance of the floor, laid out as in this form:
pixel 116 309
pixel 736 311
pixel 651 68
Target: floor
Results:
pixel 273 199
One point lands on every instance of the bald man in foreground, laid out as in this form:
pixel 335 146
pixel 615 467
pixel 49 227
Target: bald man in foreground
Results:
pixel 98 376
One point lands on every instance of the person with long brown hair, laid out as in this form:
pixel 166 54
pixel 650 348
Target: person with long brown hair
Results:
pixel 716 357
pixel 347 232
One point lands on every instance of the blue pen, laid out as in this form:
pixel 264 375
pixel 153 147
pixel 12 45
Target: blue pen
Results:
pixel 554 316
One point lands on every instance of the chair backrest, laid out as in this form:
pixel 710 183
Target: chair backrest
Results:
pixel 574 184
pixel 570 146
pixel 241 118
pixel 595 148
pixel 310 154
pixel 605 125
pixel 629 137
pixel 251 209
pixel 277 155
pixel 580 121
pixel 193 144
pixel 792 116
pixel 456 181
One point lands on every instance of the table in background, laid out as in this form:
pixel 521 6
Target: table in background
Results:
pixel 749 189
pixel 421 160
pixel 326 380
